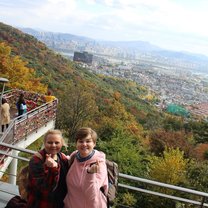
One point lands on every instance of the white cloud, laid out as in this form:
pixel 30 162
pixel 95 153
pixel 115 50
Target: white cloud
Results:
pixel 157 21
pixel 56 9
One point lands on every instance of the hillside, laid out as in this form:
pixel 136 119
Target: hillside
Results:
pixel 108 92
pixel 142 140
pixel 53 67
pixel 56 69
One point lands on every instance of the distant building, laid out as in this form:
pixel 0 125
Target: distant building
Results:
pixel 177 110
pixel 84 57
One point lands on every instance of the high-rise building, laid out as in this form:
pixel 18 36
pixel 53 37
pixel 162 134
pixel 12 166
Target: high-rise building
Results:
pixel 84 57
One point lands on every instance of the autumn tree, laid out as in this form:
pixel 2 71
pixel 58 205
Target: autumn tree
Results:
pixel 171 169
pixel 200 151
pixel 114 115
pixel 75 109
pixel 159 139
pixel 16 71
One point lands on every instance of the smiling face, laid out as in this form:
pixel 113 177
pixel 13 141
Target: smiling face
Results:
pixel 85 145
pixel 53 144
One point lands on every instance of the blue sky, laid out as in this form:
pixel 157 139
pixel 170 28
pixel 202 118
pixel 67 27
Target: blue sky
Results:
pixel 179 25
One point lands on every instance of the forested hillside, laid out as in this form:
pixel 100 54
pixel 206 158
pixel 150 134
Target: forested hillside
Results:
pixel 142 140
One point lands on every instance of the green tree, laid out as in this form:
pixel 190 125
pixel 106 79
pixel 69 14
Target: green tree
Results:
pixel 76 109
pixel 197 175
pixel 199 130
pixel 128 152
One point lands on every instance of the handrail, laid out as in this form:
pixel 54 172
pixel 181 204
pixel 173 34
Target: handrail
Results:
pixel 133 178
pixel 21 126
pixel 163 185
pixel 169 186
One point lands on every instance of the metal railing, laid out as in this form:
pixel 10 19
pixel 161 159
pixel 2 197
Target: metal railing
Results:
pixel 200 202
pixel 200 194
pixel 21 126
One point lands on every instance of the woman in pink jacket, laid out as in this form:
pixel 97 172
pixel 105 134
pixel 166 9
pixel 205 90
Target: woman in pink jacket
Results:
pixel 87 174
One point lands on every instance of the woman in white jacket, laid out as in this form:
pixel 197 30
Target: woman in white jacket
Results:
pixel 87 174
pixel 5 114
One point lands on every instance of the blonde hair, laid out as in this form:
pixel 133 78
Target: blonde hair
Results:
pixel 52 132
pixel 84 132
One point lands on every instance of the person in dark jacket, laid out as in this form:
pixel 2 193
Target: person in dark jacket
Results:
pixel 21 105
pixel 47 184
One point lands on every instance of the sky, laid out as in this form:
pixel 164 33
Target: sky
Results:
pixel 179 25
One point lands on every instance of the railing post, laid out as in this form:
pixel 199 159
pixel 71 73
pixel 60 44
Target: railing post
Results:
pixel 13 168
pixel 202 202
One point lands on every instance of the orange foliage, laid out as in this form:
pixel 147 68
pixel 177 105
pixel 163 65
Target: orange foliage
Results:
pixel 200 150
pixel 107 101
pixel 117 95
pixel 15 70
pixel 135 129
pixel 138 113
pixel 161 139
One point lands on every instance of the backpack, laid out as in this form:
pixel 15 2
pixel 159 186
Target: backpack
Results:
pixel 23 179
pixel 113 173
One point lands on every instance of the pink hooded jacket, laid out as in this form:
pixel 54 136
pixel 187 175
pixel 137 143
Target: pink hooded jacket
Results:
pixel 83 187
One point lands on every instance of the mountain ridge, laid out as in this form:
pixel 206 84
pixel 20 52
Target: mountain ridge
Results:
pixel 146 45
pixel 135 50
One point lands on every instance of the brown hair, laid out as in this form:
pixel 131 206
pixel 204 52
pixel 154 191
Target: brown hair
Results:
pixel 84 132
pixel 52 132
pixel 3 100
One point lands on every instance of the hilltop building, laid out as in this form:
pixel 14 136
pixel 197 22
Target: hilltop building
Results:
pixel 84 57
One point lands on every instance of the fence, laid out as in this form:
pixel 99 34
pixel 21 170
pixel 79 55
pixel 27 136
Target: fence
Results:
pixel 20 127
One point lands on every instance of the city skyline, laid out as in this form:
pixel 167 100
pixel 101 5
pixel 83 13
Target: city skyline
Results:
pixel 169 24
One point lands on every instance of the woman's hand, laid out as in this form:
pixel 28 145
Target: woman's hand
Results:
pixel 50 162
pixel 94 168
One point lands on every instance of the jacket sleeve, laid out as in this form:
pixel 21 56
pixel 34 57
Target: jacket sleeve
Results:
pixel 42 178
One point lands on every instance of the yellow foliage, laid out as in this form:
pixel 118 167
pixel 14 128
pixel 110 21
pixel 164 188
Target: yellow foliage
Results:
pixel 170 168
pixel 128 199
pixel 19 75
pixel 149 97
pixel 143 88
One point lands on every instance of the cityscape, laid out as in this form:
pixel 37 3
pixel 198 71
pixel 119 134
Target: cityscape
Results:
pixel 179 78
pixel 173 84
